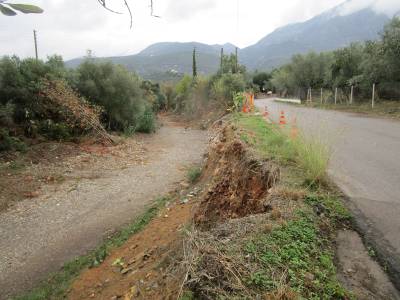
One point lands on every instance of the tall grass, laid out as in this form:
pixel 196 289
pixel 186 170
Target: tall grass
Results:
pixel 308 153
pixel 312 156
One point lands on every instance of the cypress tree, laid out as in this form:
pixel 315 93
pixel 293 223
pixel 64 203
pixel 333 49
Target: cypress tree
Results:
pixel 194 66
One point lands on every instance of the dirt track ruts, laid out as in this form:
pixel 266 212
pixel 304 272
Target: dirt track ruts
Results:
pixel 38 236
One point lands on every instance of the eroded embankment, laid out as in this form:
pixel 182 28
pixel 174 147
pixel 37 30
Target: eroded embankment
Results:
pixel 245 231
pixel 240 183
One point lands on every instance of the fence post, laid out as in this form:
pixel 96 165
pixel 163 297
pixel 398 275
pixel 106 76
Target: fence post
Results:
pixel 335 96
pixel 351 94
pixel 321 95
pixel 373 95
pixel 310 95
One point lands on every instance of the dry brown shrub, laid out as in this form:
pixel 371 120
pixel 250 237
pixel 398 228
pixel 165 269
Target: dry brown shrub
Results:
pixel 61 100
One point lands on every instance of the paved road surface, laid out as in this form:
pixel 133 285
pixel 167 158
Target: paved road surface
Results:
pixel 365 164
pixel 40 235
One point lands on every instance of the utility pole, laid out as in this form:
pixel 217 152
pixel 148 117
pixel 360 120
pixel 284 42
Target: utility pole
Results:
pixel 35 40
pixel 194 65
pixel 351 94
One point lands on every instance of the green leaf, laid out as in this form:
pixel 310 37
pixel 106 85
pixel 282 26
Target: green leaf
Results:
pixel 6 11
pixel 26 8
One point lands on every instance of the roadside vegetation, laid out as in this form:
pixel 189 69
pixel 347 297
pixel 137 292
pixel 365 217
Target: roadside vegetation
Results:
pixel 271 142
pixel 30 93
pixel 286 251
pixel 359 65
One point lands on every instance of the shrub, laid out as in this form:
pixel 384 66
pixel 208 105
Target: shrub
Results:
pixel 147 123
pixel 116 90
pixel 10 143
pixel 226 86
pixel 194 174
pixel 55 131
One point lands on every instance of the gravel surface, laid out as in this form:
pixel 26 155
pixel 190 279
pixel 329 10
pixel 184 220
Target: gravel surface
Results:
pixel 39 235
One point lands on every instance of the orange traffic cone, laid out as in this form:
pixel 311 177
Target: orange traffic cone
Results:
pixel 282 119
pixel 294 131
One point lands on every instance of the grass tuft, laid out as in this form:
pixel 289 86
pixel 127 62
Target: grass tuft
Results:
pixel 271 142
pixel 194 174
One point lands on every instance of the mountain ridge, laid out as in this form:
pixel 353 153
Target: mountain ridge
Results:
pixel 327 31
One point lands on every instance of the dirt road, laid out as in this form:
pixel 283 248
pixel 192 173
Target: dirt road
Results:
pixel 365 164
pixel 38 236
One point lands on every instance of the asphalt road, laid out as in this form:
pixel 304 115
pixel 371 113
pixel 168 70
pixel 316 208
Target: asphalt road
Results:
pixel 365 164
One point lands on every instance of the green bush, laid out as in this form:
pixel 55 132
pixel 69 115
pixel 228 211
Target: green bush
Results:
pixel 147 123
pixel 10 143
pixel 224 87
pixel 116 90
pixel 194 174
pixel 55 131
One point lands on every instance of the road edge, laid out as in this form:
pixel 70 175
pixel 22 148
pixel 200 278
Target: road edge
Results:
pixel 385 255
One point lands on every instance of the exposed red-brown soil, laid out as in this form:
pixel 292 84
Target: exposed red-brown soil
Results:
pixel 241 182
pixel 141 273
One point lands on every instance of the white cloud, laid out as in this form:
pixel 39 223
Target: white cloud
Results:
pixel 388 7
pixel 180 10
pixel 70 27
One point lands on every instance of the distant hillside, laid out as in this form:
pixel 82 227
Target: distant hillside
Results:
pixel 166 59
pixel 327 31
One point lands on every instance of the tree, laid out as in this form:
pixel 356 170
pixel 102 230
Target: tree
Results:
pixel 261 80
pixel 391 47
pixel 9 9
pixel 346 65
pixel 194 65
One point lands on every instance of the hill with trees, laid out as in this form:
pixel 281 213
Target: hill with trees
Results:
pixel 328 31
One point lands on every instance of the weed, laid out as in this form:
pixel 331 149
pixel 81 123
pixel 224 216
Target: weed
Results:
pixel 58 284
pixel 194 174
pixel 330 205
pixel 298 252
pixel 371 252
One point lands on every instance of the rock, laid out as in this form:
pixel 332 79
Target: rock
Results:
pixel 184 201
pixel 126 270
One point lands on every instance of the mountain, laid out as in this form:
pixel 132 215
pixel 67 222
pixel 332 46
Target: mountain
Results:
pixel 168 60
pixel 328 31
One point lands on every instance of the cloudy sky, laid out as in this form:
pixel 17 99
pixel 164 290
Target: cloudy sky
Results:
pixel 71 27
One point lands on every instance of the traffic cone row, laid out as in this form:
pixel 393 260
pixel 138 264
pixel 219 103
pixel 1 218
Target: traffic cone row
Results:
pixel 282 119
